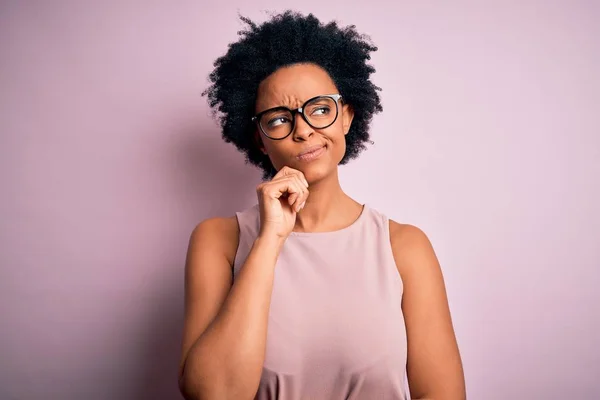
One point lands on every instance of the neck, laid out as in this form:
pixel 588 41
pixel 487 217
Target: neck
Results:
pixel 327 208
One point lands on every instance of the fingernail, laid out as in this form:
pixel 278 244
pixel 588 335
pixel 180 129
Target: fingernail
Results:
pixel 302 205
pixel 306 183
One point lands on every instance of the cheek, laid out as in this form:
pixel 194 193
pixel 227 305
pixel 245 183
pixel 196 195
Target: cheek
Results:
pixel 276 154
pixel 340 148
pixel 271 149
pixel 338 139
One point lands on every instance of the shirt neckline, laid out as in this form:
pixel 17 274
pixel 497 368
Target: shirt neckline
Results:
pixel 350 227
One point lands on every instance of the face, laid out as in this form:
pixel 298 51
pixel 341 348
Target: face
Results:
pixel 291 87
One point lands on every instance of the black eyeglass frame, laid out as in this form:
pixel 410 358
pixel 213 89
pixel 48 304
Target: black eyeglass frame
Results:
pixel 299 110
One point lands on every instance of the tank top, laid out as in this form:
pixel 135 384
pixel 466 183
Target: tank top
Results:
pixel 336 328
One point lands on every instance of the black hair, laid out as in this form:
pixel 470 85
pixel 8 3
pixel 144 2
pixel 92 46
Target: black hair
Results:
pixel 286 39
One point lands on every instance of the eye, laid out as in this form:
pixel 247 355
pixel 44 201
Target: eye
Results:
pixel 277 121
pixel 324 110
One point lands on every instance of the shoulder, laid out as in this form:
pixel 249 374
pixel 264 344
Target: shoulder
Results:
pixel 218 233
pixel 224 225
pixel 434 365
pixel 412 248
pixel 406 234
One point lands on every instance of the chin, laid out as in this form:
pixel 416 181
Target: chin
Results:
pixel 314 173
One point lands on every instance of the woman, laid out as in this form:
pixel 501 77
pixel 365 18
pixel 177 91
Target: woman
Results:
pixel 309 294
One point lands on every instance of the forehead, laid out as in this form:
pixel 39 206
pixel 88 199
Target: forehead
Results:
pixel 291 86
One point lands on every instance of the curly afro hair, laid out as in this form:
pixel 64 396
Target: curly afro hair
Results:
pixel 291 38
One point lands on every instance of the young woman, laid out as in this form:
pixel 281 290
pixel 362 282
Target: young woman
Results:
pixel 309 294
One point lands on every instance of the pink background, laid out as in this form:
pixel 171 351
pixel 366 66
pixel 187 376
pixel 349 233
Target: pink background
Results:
pixel 490 142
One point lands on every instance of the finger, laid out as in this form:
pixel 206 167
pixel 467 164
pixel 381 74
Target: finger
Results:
pixel 302 178
pixel 297 190
pixel 291 182
pixel 292 198
pixel 299 184
pixel 289 186
pixel 287 171
pixel 296 197
pixel 302 200
pixel 303 193
pixel 274 189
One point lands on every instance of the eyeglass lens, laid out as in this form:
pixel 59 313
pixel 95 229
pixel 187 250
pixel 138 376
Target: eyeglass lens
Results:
pixel 319 113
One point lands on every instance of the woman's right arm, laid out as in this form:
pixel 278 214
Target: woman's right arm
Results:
pixel 225 326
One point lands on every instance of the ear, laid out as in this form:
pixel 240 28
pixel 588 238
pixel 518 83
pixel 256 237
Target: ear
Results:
pixel 258 142
pixel 347 117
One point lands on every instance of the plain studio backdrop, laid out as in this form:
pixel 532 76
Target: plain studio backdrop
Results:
pixel 489 141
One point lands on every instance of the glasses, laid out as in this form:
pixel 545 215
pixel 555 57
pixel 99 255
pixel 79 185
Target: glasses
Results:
pixel 319 112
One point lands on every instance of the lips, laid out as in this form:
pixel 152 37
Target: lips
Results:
pixel 311 153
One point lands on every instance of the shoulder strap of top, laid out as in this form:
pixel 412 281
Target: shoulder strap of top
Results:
pixel 248 222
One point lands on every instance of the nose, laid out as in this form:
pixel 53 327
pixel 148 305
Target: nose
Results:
pixel 302 130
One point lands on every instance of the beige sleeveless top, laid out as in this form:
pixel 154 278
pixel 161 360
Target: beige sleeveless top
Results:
pixel 336 329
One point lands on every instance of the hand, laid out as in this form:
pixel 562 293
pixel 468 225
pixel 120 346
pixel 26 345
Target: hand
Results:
pixel 280 199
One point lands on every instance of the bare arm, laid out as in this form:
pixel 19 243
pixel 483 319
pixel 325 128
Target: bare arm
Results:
pixel 434 366
pixel 225 326
pixel 225 330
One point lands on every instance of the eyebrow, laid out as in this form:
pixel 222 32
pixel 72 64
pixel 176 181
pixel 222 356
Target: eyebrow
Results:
pixel 295 108
pixel 286 105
